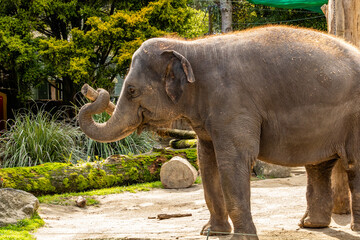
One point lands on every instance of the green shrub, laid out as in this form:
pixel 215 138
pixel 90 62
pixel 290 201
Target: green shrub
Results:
pixel 34 139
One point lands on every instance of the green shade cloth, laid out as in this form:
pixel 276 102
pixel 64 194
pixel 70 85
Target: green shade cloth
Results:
pixel 312 5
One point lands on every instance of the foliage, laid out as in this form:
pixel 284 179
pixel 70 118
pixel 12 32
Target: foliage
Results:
pixel 199 24
pixel 66 177
pixel 250 15
pixel 37 138
pixel 103 51
pixel 20 231
pixel 81 42
pixel 18 56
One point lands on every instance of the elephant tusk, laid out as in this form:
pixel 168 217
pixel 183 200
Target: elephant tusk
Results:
pixel 92 95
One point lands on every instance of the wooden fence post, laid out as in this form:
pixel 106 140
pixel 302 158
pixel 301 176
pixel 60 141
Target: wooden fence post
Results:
pixel 343 19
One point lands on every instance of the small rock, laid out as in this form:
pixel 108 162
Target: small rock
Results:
pixel 80 202
pixel 16 205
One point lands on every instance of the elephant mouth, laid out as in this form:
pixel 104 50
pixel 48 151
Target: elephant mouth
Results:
pixel 143 123
pixel 147 123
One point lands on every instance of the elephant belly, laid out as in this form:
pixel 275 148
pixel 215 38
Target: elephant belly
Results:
pixel 301 138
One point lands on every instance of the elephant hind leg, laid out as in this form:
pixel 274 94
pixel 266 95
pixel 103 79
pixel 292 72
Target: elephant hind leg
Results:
pixel 354 184
pixel 318 195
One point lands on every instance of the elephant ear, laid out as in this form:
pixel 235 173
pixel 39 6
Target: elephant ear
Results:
pixel 178 72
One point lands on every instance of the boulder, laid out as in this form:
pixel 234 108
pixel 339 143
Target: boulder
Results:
pixel 177 173
pixel 271 170
pixel 16 205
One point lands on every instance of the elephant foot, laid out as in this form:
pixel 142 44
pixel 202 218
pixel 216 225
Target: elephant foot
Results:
pixel 244 237
pixel 312 222
pixel 355 227
pixel 216 229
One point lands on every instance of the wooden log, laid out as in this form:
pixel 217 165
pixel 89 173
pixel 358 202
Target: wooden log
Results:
pixel 119 170
pixel 168 216
pixel 92 95
pixel 271 170
pixel 340 188
pixel 183 143
pixel 178 173
pixel 343 20
pixel 176 133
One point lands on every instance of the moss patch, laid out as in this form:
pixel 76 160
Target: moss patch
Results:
pixel 120 170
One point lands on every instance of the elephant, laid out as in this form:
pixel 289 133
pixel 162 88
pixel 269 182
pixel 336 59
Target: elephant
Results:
pixel 284 95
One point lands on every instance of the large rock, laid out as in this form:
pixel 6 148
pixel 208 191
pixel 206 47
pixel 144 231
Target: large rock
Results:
pixel 271 170
pixel 16 205
pixel 177 173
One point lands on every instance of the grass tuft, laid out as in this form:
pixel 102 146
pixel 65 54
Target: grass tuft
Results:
pixel 69 198
pixel 20 231
pixel 34 139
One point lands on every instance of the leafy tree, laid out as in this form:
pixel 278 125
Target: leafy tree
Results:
pixel 18 58
pixel 101 52
pixel 247 15
pixel 81 41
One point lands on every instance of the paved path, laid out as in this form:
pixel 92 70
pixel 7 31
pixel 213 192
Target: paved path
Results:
pixel 277 205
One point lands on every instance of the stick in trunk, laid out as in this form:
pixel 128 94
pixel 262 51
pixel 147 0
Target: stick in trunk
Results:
pixel 92 95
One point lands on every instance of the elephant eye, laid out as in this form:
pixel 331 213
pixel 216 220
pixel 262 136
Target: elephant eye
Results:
pixel 132 91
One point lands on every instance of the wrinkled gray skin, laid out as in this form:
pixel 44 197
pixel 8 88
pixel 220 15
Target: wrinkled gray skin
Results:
pixel 286 96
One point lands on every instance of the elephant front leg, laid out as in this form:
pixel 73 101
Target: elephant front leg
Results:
pixel 318 195
pixel 214 198
pixel 235 180
pixel 235 156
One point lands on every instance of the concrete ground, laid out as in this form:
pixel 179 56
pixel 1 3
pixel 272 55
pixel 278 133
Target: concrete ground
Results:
pixel 277 206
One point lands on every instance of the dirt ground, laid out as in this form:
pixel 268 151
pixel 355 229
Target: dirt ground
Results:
pixel 277 206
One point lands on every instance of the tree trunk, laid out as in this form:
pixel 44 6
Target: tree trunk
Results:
pixel 68 90
pixel 117 170
pixel 226 16
pixel 210 20
pixel 343 18
pixel 341 192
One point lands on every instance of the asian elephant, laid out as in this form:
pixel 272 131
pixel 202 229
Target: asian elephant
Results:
pixel 288 96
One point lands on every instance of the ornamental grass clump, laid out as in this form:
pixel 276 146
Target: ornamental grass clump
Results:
pixel 34 139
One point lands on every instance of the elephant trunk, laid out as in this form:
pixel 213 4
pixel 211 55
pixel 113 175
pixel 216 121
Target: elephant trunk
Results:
pixel 119 126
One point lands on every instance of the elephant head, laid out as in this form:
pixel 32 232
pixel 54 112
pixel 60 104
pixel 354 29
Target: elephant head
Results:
pixel 150 97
